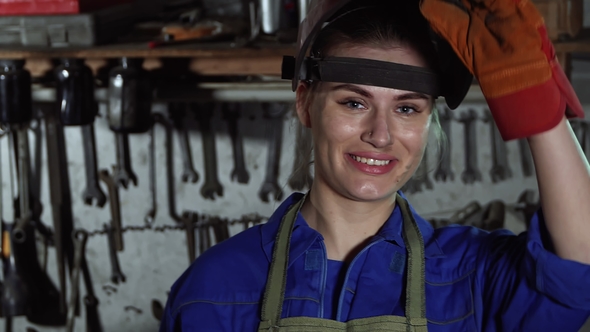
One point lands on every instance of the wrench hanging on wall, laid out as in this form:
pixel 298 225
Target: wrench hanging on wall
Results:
pixel 178 116
pixel 129 112
pixel 211 187
pixel 274 113
pixel 471 174
pixel 231 114
pixel 501 169
pixel 169 148
pixel 444 171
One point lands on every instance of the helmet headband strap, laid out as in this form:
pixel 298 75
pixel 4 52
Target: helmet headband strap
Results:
pixel 370 72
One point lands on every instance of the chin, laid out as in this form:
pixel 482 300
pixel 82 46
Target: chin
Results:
pixel 372 193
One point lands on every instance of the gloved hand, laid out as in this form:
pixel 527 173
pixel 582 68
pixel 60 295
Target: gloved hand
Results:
pixel 504 44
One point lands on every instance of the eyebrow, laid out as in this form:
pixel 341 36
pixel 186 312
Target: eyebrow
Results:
pixel 365 93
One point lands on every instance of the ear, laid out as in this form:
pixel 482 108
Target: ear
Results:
pixel 302 104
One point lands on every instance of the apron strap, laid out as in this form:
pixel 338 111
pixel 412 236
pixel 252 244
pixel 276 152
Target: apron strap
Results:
pixel 415 290
pixel 272 303
pixel 274 294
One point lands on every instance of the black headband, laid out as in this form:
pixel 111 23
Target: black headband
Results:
pixel 365 72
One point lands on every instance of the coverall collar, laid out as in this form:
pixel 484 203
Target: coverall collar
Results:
pixel 304 236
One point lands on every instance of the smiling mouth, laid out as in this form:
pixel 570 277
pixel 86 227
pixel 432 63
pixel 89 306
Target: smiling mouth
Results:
pixel 370 162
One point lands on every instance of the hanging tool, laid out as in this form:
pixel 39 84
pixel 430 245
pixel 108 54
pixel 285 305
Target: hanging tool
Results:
pixel 150 216
pixel 231 114
pixel 80 238
pixel 471 174
pixel 188 219
pixel 444 171
pixel 526 159
pixel 300 176
pixel 129 112
pixel 211 187
pixel 274 113
pixel 178 115
pixel 501 169
pixel 114 202
pixel 116 273
pixel 15 93
pixel 20 142
pixel 60 197
pixel 169 148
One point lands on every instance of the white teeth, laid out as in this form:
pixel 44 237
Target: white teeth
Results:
pixel 369 161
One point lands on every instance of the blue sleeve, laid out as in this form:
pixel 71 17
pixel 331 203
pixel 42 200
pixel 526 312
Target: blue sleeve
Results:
pixel 526 287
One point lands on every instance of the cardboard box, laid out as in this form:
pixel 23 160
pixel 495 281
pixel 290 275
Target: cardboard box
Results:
pixel 563 18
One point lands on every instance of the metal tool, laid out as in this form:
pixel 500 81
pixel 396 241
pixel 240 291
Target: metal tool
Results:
pixel 116 273
pixel 211 187
pixel 300 176
pixel 188 219
pixel 178 115
pixel 444 171
pixel 113 190
pixel 92 192
pixel 271 15
pixel 204 238
pixel 526 159
pixel 220 230
pixel 157 309
pixel 15 92
pixel 123 171
pixel 79 245
pixel 231 113
pixel 129 111
pixel 37 167
pixel 274 112
pixel 75 93
pixel 471 174
pixel 501 169
pixel 150 216
pixel 20 141
pixel 60 196
pixel 169 147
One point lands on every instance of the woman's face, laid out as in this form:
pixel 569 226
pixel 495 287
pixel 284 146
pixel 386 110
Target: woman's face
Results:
pixel 368 140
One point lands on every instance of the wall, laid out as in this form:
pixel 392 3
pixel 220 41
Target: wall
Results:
pixel 153 260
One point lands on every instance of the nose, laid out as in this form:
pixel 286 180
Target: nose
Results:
pixel 377 132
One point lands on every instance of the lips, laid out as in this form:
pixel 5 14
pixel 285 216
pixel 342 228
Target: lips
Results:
pixel 372 163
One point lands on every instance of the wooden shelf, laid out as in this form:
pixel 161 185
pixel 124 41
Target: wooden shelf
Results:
pixel 219 59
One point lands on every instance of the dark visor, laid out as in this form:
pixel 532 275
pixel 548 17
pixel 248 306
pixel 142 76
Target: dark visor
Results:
pixel 365 72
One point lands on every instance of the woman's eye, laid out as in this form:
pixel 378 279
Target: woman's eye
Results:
pixel 406 110
pixel 352 104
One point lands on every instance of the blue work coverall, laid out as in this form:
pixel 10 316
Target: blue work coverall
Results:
pixel 475 280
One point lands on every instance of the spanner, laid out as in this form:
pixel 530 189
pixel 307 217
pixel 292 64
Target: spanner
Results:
pixel 212 185
pixel 160 119
pixel 113 190
pixel 231 113
pixel 444 170
pixel 178 114
pixel 204 238
pixel 151 214
pixel 526 159
pixel 188 219
pixel 79 246
pixel 116 273
pixel 36 171
pixel 471 174
pixel 123 173
pixel 274 112
pixel 500 170
pixel 92 191
pixel 301 176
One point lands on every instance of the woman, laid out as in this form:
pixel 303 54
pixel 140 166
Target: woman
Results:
pixel 352 254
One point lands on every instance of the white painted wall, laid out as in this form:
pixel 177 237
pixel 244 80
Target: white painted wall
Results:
pixel 152 261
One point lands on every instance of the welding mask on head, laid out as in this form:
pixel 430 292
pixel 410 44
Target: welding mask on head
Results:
pixel 450 79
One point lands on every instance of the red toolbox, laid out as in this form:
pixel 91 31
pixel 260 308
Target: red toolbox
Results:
pixel 49 7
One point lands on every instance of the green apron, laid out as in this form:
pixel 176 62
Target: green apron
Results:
pixel 274 294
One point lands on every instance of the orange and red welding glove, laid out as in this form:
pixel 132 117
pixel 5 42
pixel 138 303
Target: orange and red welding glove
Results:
pixel 504 43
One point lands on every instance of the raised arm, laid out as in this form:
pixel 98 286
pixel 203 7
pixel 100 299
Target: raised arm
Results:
pixel 563 175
